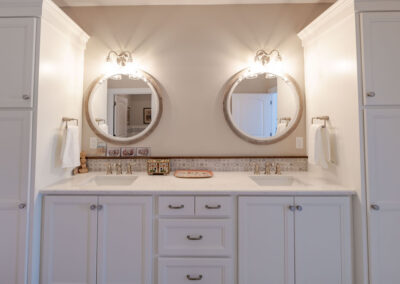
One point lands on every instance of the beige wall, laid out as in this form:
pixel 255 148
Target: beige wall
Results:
pixel 192 51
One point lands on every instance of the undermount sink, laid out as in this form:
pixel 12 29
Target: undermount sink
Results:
pixel 273 180
pixel 112 180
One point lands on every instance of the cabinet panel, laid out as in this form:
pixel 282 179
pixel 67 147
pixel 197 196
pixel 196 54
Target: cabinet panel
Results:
pixel 380 48
pixel 69 240
pixel 266 240
pixel 195 270
pixel 13 243
pixel 383 155
pixel 323 240
pixel 17 56
pixel 125 240
pixel 195 237
pixel 15 150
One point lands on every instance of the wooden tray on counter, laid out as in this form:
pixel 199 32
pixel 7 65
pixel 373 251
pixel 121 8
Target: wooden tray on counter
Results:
pixel 193 174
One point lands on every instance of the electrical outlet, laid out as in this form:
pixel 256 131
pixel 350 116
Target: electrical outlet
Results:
pixel 299 143
pixel 93 143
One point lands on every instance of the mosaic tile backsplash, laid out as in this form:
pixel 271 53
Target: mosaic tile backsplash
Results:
pixel 216 165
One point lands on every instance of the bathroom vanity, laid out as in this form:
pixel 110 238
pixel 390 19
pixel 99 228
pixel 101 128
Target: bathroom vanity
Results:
pixel 222 230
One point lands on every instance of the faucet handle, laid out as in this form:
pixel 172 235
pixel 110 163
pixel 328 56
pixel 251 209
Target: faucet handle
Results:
pixel 128 169
pixel 268 166
pixel 109 169
pixel 278 169
pixel 256 169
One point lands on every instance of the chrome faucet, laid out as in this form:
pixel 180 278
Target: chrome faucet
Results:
pixel 128 169
pixel 278 169
pixel 109 169
pixel 268 168
pixel 118 169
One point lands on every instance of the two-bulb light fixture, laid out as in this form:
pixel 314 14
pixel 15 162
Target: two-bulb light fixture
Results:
pixel 266 63
pixel 118 64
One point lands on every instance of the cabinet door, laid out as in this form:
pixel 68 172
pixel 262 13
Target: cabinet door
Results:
pixel 323 240
pixel 17 57
pixel 383 168
pixel 15 145
pixel 124 240
pixel 266 240
pixel 381 60
pixel 69 240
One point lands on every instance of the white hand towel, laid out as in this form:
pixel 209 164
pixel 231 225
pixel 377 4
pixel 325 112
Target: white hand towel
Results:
pixel 319 152
pixel 70 154
pixel 104 127
pixel 280 128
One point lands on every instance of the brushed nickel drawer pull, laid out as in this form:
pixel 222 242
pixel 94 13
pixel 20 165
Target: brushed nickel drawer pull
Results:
pixel 194 278
pixel 176 207
pixel 213 207
pixel 192 238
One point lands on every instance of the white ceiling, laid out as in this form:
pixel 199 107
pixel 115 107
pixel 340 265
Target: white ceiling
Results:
pixel 64 3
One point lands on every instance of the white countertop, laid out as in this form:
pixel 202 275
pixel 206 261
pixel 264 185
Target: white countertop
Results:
pixel 222 183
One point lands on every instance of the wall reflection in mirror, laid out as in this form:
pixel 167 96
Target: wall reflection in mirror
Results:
pixel 123 107
pixel 263 106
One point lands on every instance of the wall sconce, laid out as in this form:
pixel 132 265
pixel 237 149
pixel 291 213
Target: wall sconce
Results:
pixel 266 62
pixel 118 64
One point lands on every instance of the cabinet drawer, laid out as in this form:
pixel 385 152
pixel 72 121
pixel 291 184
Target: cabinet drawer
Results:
pixel 192 270
pixel 214 206
pixel 195 237
pixel 176 205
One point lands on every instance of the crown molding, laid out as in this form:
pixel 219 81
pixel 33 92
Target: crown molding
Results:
pixel 20 8
pixel 55 17
pixel 333 16
pixel 65 3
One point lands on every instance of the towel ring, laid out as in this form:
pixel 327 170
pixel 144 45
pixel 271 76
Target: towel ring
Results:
pixel 68 119
pixel 324 118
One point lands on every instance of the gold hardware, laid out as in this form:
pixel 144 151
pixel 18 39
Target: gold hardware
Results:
pixel 158 167
pixel 98 120
pixel 287 119
pixel 68 119
pixel 324 118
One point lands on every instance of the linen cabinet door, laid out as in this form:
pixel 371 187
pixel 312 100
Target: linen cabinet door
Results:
pixel 266 240
pixel 124 240
pixel 383 168
pixel 323 240
pixel 17 61
pixel 15 151
pixel 69 240
pixel 381 60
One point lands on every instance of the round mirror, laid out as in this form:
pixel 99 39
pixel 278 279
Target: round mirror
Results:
pixel 263 108
pixel 123 109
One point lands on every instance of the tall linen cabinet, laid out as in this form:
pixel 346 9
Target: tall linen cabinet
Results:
pixel 352 69
pixel 24 26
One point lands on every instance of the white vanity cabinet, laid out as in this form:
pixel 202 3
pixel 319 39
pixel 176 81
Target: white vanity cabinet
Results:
pixel 15 150
pixel 17 53
pixel 196 239
pixel 302 240
pixel 90 239
pixel 381 62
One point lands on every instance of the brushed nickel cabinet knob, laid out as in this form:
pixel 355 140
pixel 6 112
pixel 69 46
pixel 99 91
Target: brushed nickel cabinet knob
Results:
pixel 292 208
pixel 93 207
pixel 22 206
pixel 371 94
pixel 375 207
pixel 299 208
pixel 26 97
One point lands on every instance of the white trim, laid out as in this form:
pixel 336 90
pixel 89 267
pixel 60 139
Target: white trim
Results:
pixel 330 18
pixel 377 5
pixel 63 3
pixel 20 8
pixel 55 17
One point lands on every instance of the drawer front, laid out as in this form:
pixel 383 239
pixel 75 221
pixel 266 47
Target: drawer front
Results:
pixel 176 205
pixel 195 237
pixel 192 270
pixel 220 206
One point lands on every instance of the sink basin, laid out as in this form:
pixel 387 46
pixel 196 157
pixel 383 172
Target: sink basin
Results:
pixel 112 180
pixel 273 180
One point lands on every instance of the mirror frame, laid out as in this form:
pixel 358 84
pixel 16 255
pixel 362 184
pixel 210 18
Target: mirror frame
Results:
pixel 231 85
pixel 154 86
